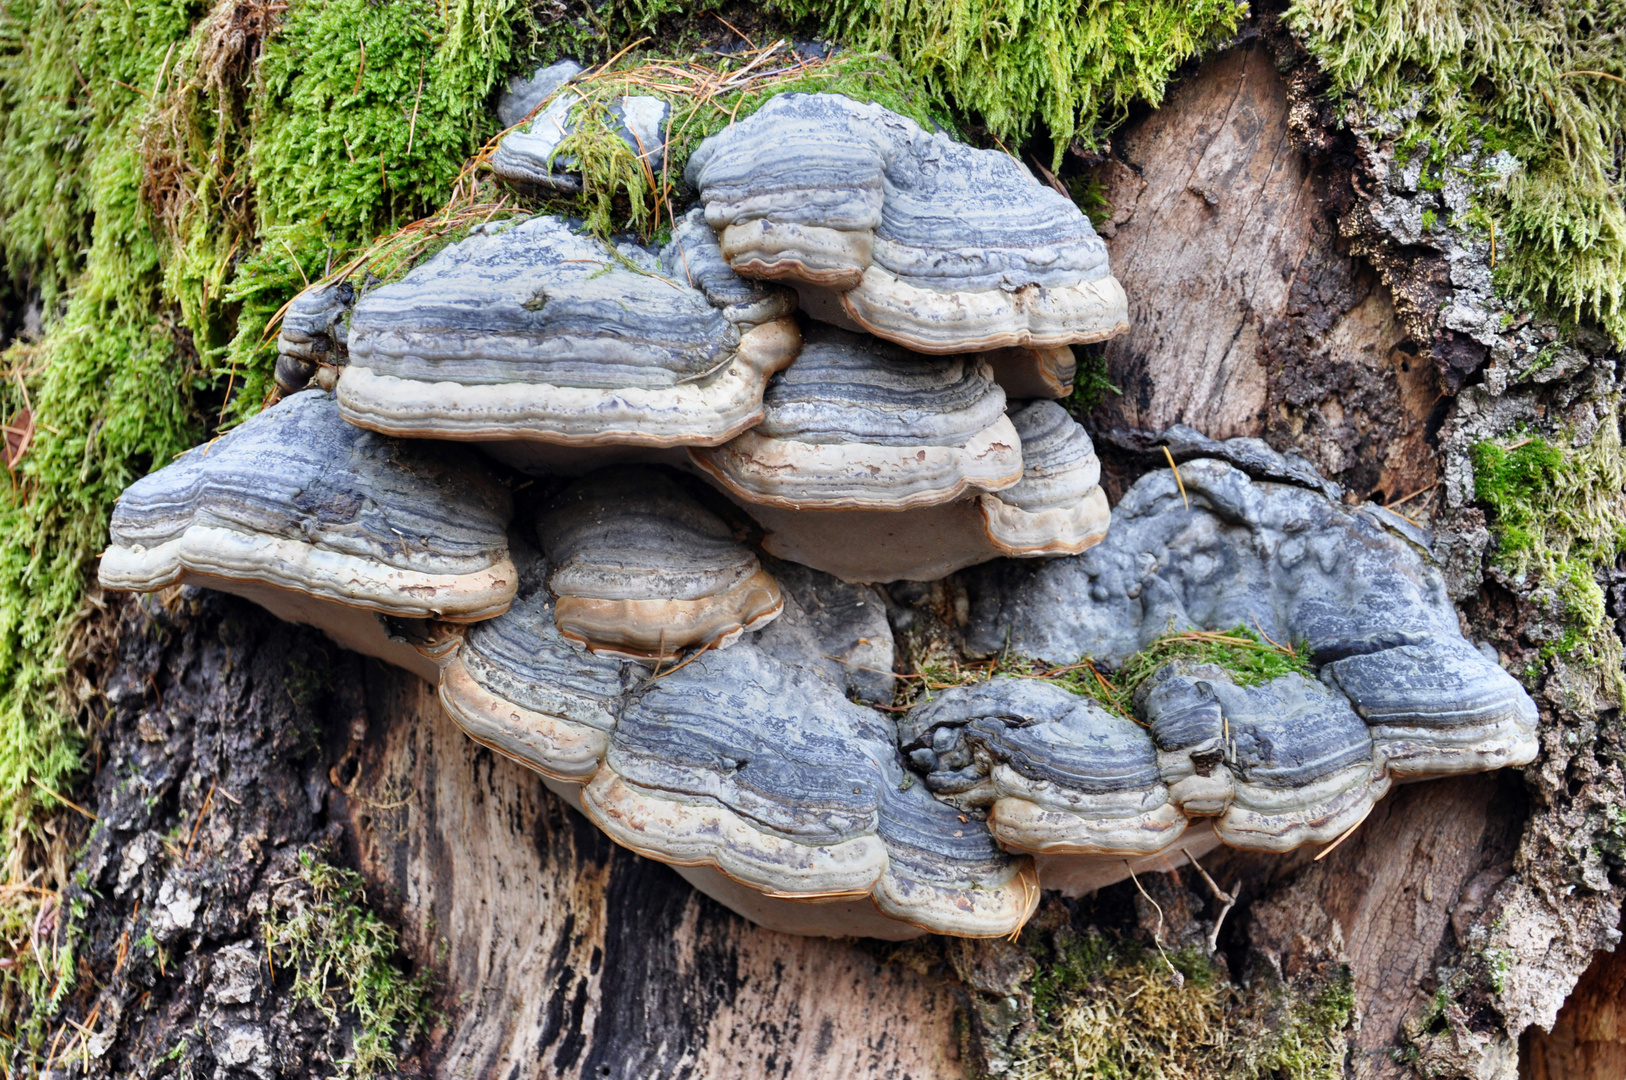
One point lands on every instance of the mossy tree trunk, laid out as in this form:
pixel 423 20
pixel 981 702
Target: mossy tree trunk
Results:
pixel 1269 299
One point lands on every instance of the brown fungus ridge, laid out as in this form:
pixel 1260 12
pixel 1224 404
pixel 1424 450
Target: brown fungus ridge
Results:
pixel 642 571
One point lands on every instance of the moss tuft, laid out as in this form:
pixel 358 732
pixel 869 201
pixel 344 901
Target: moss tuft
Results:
pixel 1559 511
pixel 344 960
pixel 170 176
pixel 1250 660
pixel 1106 1008
pixel 1074 66
pixel 620 192
pixel 1547 84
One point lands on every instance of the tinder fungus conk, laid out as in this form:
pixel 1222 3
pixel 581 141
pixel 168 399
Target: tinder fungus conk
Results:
pixel 1295 764
pixel 763 772
pixel 530 154
pixel 322 523
pixel 531 332
pixel 693 256
pixel 643 571
pixel 1345 586
pixel 1057 508
pixel 518 686
pixel 1056 772
pixel 856 424
pixel 906 234
pixel 748 770
pixel 312 336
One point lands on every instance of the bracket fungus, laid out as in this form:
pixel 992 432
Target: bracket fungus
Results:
pixel 311 340
pixel 524 93
pixel 1033 373
pixel 906 234
pixel 532 332
pixel 1056 507
pixel 1347 587
pixel 730 713
pixel 643 571
pixel 855 424
pixel 529 154
pixel 519 687
pixel 748 769
pixel 323 523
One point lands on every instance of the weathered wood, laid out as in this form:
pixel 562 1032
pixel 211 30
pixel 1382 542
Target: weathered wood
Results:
pixel 566 956
pixel 1211 216
pixel 1384 901
pixel 1589 1040
pixel 1246 316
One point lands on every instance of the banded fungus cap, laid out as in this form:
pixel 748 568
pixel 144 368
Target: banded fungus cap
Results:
pixel 312 335
pixel 535 332
pixel 322 523
pixel 524 93
pixel 641 570
pixel 1401 693
pixel 909 235
pixel 693 256
pixel 856 425
pixel 1058 773
pixel 1058 507
pixel 764 772
pixel 518 686
pixel 1299 767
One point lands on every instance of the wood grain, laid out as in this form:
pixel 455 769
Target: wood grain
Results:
pixel 1589 1040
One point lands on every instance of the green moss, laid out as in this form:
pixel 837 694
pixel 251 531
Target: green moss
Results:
pixel 169 178
pixel 1543 82
pixel 345 963
pixel 107 390
pixel 1559 514
pixel 1108 1008
pixel 1091 384
pixel 1249 659
pixel 1074 66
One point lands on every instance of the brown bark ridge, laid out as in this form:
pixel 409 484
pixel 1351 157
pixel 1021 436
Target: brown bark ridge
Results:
pixel 1270 299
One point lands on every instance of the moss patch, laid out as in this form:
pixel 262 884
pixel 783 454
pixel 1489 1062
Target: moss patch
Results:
pixel 1246 656
pixel 1543 82
pixel 170 175
pixel 1075 67
pixel 1559 513
pixel 345 963
pixel 1106 1007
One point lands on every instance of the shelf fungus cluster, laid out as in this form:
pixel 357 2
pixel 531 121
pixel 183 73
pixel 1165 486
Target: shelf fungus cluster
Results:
pixel 628 509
